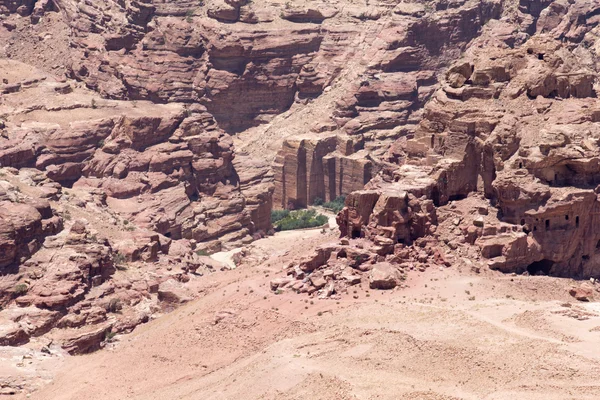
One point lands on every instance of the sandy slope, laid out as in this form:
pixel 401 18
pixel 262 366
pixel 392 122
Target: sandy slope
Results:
pixel 451 335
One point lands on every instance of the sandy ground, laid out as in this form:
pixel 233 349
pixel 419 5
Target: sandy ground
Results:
pixel 452 334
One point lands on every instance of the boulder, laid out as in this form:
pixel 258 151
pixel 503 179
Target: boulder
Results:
pixel 384 276
pixel 584 292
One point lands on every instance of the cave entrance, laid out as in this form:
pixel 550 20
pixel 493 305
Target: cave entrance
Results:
pixel 540 267
pixel 457 197
pixel 355 233
pixel 435 196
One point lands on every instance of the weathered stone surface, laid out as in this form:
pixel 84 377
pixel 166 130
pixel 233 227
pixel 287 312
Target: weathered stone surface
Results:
pixel 172 291
pixel 582 293
pixel 384 276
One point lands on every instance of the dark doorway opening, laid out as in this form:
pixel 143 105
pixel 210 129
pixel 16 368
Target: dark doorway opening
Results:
pixel 435 196
pixel 540 267
pixel 456 197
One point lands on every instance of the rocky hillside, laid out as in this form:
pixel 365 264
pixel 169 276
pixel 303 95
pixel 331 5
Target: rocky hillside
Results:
pixel 139 136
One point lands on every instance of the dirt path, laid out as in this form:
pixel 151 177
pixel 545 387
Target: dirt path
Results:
pixel 283 239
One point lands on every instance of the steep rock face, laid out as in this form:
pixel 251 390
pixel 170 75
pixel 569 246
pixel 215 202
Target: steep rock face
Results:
pixel 200 57
pixel 23 227
pixel 515 121
pixel 217 55
pixel 325 168
pixel 167 168
pixel 392 213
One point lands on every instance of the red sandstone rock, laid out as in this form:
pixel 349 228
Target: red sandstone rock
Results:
pixel 384 276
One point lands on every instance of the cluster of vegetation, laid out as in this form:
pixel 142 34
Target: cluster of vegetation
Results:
pixel 109 336
pixel 189 16
pixel 114 306
pixel 20 290
pixel 66 215
pixel 278 215
pixel 128 227
pixel 285 220
pixel 335 205
pixel 119 260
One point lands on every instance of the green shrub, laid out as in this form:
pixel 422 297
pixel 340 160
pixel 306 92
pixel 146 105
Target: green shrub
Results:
pixel 20 289
pixel 336 205
pixel 109 336
pixel 202 253
pixel 114 305
pixel 189 16
pixel 278 215
pixel 119 258
pixel 301 219
pixel 318 201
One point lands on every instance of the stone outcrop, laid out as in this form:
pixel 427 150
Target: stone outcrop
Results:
pixel 74 285
pixel 24 223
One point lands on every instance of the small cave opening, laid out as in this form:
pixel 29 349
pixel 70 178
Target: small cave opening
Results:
pixel 522 222
pixel 355 234
pixel 435 196
pixel 456 197
pixel 432 141
pixel 547 224
pixel 576 222
pixel 541 56
pixel 168 234
pixel 566 217
pixel 540 267
pixel 195 196
pixel 520 165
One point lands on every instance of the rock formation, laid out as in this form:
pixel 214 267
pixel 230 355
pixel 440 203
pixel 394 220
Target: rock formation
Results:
pixel 136 137
pixel 514 121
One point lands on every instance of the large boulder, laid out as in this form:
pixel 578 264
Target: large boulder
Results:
pixel 384 276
